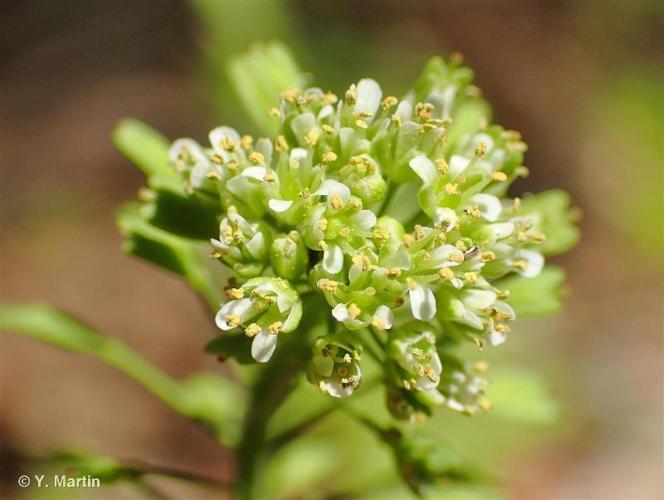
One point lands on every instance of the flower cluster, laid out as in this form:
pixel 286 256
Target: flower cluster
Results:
pixel 394 210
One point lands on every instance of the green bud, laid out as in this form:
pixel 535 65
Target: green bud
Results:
pixel 288 256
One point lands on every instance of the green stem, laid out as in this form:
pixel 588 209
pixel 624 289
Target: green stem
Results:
pixel 272 386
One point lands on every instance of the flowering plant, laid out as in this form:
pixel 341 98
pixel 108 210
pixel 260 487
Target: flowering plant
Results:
pixel 363 242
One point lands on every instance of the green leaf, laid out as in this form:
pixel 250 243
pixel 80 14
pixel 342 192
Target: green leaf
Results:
pixel 190 216
pixel 521 395
pixel 143 146
pixel 259 76
pixel 538 296
pixel 167 251
pixel 205 398
pixel 554 217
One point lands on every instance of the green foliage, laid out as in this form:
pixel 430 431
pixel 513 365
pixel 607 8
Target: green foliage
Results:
pixel 554 218
pixel 538 296
pixel 521 395
pixel 259 76
pixel 144 146
pixel 170 252
pixel 216 402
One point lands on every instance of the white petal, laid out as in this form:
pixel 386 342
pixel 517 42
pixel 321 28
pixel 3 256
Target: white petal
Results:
pixel 368 96
pixel 279 205
pixel 442 256
pixel 534 263
pixel 222 134
pixel 458 164
pixel 255 172
pixel 472 319
pixel 354 272
pixel 340 313
pixel 331 187
pixel 496 338
pixel 256 245
pixel 337 390
pixel 198 173
pixel 424 168
pixel 364 219
pixel 479 299
pixel 190 146
pixel 333 259
pixel 404 111
pixel 447 216
pixel 263 346
pixel 501 230
pixel 422 302
pixel 385 315
pixel 238 307
pixel 325 111
pixel 488 204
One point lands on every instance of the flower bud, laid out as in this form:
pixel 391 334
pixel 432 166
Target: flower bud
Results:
pixel 288 256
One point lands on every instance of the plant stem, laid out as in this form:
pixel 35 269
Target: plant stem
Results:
pixel 272 386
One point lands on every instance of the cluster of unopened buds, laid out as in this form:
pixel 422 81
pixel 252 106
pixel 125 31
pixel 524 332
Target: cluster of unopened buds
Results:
pixel 395 211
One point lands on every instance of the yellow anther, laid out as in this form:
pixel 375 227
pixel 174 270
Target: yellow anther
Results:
pixel 305 193
pixel 502 327
pixel 424 110
pixel 269 176
pixel 246 142
pixel 290 95
pixel 227 145
pixel 329 157
pixel 480 150
pixel 234 293
pixel 520 264
pixel 408 240
pixel 457 258
pixel 214 175
pixel 330 98
pixel 252 330
pixel 412 284
pixel 516 204
pixel 361 124
pixel 275 327
pixel 485 404
pixel 396 119
pixel 446 273
pixel 354 311
pixel 351 95
pixel 389 102
pixel 381 235
pixel 488 256
pixel 322 224
pixel 394 272
pixel 537 238
pixel 274 112
pixel 442 166
pixel 215 158
pixel 312 137
pixel 327 285
pixel 344 232
pixel 328 129
pixel 256 158
pixel 281 145
pixel 499 176
pixel 322 244
pixel 521 237
pixel 451 188
pixel 471 277
pixel 474 212
pixel 481 367
pixel 347 359
pixel 336 201
pixel 232 320
pixel 419 232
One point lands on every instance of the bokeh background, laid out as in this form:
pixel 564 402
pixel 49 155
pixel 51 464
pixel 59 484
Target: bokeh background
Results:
pixel 581 80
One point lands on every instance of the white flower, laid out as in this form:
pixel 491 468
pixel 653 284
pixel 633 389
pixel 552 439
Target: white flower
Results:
pixel 528 263
pixel 424 168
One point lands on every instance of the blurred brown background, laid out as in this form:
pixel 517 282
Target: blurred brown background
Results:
pixel 581 80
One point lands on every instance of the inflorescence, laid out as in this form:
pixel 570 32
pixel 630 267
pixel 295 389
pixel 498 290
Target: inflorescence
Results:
pixel 395 211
